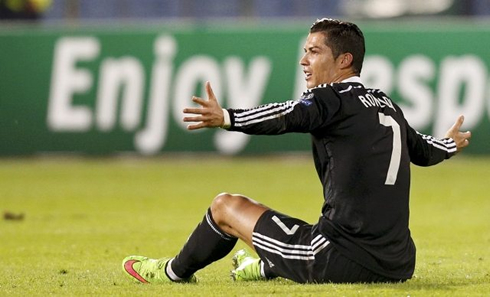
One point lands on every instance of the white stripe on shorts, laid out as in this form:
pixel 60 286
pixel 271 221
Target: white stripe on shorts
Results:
pixel 290 251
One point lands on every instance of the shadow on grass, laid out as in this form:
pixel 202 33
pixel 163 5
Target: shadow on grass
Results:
pixel 439 284
pixel 433 284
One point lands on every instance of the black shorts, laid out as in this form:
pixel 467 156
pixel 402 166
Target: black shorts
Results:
pixel 296 250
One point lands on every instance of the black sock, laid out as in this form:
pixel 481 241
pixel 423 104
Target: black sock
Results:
pixel 206 244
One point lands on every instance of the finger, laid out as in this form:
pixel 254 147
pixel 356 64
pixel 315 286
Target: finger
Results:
pixel 196 126
pixel 465 139
pixel 199 101
pixel 209 91
pixel 457 125
pixel 194 110
pixel 194 119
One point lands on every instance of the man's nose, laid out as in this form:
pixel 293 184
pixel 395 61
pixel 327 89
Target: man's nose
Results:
pixel 303 61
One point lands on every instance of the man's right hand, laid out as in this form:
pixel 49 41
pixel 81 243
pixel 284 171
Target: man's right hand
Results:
pixel 209 115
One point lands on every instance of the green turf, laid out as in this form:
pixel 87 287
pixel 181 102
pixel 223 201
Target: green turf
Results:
pixel 83 216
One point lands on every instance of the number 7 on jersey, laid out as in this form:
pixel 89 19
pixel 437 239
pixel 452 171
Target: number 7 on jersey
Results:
pixel 396 151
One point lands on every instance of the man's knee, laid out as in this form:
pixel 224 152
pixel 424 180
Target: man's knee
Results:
pixel 224 204
pixel 236 215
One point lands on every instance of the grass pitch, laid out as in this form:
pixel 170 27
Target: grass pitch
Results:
pixel 81 217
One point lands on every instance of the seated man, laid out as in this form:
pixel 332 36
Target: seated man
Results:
pixel 362 149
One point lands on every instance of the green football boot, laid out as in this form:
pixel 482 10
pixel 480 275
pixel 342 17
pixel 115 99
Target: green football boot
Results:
pixel 145 270
pixel 247 268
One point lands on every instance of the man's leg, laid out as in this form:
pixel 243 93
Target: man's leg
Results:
pixel 229 217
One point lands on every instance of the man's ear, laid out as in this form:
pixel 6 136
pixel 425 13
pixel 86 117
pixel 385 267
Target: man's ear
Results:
pixel 346 60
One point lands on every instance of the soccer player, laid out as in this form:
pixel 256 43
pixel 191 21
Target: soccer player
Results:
pixel 362 150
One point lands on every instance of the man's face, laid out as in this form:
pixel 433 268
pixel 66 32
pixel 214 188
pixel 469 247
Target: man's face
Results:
pixel 318 62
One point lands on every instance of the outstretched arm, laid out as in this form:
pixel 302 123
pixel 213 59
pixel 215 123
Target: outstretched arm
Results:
pixel 209 115
pixel 304 115
pixel 460 138
pixel 426 150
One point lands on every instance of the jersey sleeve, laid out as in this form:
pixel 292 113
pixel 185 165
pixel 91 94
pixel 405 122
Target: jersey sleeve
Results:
pixel 312 111
pixel 426 150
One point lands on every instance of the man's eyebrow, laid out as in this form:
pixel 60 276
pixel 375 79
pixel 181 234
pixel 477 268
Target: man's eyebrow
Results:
pixel 311 47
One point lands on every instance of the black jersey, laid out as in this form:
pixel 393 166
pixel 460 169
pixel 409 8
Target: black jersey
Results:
pixel 362 148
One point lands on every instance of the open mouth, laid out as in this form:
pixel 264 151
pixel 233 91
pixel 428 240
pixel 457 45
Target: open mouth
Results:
pixel 307 75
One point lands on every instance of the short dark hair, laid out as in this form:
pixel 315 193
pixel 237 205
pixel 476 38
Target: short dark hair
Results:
pixel 342 37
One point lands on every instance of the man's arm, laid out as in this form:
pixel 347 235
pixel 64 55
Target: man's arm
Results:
pixel 211 115
pixel 304 115
pixel 426 150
